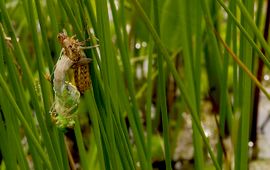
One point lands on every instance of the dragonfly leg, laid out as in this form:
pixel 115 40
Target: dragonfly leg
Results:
pixel 89 47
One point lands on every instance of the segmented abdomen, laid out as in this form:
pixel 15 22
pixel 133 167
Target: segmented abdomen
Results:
pixel 82 77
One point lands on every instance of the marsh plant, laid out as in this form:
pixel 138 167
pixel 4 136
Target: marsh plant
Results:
pixel 123 84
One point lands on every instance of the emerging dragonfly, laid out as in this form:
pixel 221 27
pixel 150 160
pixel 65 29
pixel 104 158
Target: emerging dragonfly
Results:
pixel 73 49
pixel 66 95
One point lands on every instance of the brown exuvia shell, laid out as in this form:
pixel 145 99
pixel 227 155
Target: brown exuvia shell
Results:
pixel 72 48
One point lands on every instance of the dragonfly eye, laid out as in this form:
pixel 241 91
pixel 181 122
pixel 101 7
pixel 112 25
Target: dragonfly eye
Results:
pixel 61 37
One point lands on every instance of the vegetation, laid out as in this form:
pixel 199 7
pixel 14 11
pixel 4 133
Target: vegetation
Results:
pixel 154 63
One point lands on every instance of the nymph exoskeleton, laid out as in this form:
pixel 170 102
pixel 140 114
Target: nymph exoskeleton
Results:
pixel 73 49
pixel 63 110
pixel 67 96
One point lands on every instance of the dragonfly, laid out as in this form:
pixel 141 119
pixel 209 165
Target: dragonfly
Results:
pixel 73 49
pixel 67 96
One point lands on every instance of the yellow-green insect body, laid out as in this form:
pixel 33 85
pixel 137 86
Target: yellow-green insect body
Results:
pixel 64 109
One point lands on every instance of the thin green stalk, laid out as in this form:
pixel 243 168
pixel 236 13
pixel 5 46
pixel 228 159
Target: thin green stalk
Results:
pixel 91 14
pixel 19 150
pixel 77 12
pixel 245 69
pixel 72 18
pixel 123 148
pixel 24 122
pixel 218 67
pixel 63 150
pixel 191 83
pixel 125 107
pixel 235 67
pixel 149 104
pixel 109 148
pixel 123 25
pixel 12 137
pixel 18 90
pixel 128 75
pixel 80 144
pixel 109 127
pixel 108 75
pixel 103 149
pixel 2 47
pixel 132 114
pixel 253 27
pixel 6 150
pixel 105 139
pixel 246 102
pixel 20 98
pixel 51 8
pixel 93 151
pixel 223 96
pixel 197 55
pixel 197 66
pixel 28 77
pixel 93 113
pixel 215 65
pixel 246 34
pixel 224 110
pixel 259 13
pixel 84 20
pixel 176 77
pixel 162 92
pixel 125 57
pixel 124 136
pixel 94 103
pixel 44 34
pixel 107 69
pixel 46 90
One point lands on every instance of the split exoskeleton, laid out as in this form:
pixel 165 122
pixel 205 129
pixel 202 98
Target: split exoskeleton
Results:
pixel 73 49
pixel 66 95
